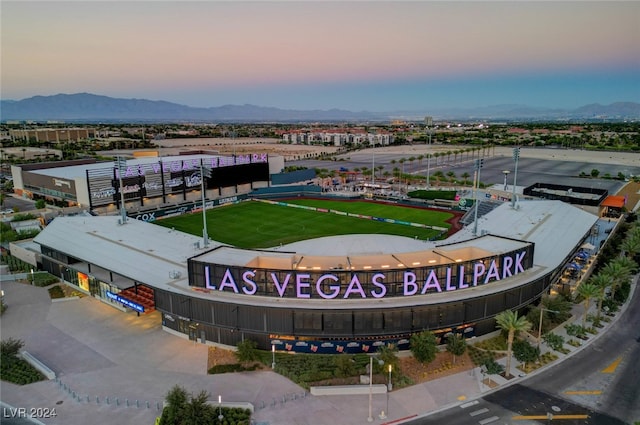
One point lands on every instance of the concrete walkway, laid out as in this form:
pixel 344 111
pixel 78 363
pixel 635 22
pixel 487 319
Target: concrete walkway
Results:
pixel 116 368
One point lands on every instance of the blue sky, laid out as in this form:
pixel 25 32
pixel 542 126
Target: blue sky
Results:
pixel 355 55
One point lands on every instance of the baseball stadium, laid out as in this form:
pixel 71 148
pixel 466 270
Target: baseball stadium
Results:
pixel 297 271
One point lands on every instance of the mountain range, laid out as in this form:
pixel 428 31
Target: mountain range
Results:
pixel 87 107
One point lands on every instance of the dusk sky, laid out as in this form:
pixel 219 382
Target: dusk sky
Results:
pixel 357 55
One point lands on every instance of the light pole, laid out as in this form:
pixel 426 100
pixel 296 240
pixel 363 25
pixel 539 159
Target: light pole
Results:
pixel 478 166
pixel 273 356
pixel 370 418
pixel 542 310
pixel 389 387
pixel 429 122
pixel 220 416
pixel 516 156
pixel 121 165
pixel 506 173
pixel 205 235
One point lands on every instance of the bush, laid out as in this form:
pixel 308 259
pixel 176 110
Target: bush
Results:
pixel 423 346
pixel 247 351
pixel 11 346
pixel 56 292
pixel 555 342
pixel 493 367
pixel 525 352
pixel 234 367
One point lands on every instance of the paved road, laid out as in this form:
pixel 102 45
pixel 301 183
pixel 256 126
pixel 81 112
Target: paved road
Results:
pixel 599 382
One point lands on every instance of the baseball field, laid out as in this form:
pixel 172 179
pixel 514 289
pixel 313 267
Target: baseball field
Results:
pixel 254 224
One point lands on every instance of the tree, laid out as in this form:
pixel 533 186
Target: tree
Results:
pixel 554 341
pixel 595 173
pixel 510 322
pixel 247 351
pixel 388 353
pixel 619 273
pixel 602 281
pixel 176 401
pixel 588 291
pixel 525 352
pixel 456 345
pixel 196 411
pixel 465 176
pixel 40 204
pixel 424 347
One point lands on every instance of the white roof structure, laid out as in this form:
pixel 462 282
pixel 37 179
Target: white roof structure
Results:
pixel 555 227
pixel 147 253
pixel 79 171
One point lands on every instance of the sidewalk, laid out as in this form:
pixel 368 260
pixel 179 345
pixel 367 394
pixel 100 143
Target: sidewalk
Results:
pixel 116 368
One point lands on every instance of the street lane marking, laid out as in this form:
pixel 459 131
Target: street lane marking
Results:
pixel 478 412
pixel 522 418
pixel 488 420
pixel 584 392
pixel 471 403
pixel 612 367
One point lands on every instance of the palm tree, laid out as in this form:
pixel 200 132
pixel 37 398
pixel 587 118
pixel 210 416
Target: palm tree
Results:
pixel 631 246
pixel 602 281
pixel 509 321
pixel 465 176
pixel 619 273
pixel 452 176
pixel 588 291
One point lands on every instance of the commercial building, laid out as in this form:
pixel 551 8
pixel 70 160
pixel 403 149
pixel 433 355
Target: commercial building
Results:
pixel 145 182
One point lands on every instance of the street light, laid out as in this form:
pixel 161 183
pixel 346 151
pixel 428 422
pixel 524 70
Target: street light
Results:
pixel 389 387
pixel 370 418
pixel 273 356
pixel 506 173
pixel 542 310
pixel 220 415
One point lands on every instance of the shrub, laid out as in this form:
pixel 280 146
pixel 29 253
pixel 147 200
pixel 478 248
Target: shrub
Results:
pixel 423 346
pixel 247 351
pixel 493 367
pixel 554 341
pixel 56 292
pixel 11 346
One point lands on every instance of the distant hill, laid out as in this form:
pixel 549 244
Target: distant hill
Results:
pixel 86 107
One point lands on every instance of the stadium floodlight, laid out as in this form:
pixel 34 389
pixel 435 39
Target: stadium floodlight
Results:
pixel 516 156
pixel 204 173
pixel 121 165
pixel 477 166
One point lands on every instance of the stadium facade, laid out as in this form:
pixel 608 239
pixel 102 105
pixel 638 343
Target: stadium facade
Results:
pixel 328 295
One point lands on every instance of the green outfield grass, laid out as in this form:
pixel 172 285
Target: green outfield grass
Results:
pixel 259 225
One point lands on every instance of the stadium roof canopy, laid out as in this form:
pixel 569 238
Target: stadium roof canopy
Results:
pixel 147 253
